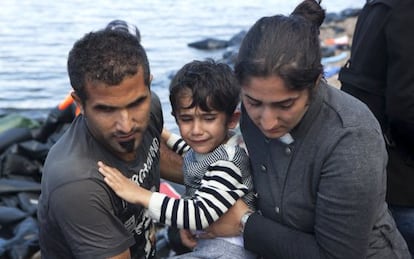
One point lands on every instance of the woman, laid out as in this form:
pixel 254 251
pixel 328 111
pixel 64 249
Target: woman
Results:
pixel 318 156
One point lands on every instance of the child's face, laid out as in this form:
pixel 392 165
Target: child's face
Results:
pixel 203 131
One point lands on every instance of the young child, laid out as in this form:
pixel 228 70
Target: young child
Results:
pixel 204 96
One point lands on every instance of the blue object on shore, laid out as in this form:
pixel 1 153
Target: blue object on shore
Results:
pixel 336 58
pixel 331 71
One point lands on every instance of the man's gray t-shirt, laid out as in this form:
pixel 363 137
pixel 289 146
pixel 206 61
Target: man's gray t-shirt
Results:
pixel 79 215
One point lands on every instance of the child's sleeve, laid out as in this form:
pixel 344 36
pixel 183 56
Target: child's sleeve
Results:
pixel 177 144
pixel 221 187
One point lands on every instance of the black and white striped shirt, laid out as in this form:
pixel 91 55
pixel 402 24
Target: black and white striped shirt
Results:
pixel 214 182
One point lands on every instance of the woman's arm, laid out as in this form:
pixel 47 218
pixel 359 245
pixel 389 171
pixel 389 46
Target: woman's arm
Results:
pixel 350 196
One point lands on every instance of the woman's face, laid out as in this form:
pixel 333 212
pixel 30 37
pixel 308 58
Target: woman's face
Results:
pixel 274 108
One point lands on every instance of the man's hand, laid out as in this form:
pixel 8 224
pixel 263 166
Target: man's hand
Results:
pixel 229 223
pixel 187 238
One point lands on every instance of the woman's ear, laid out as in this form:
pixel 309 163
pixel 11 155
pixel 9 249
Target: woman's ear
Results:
pixel 318 80
pixel 234 119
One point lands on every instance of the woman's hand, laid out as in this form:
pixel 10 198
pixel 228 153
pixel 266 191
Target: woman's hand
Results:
pixel 229 223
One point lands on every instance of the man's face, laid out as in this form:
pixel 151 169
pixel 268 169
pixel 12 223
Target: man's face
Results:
pixel 274 108
pixel 117 116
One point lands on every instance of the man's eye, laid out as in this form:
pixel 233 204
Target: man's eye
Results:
pixel 137 103
pixel 106 109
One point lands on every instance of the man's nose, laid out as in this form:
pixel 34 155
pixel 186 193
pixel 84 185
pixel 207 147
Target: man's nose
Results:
pixel 124 121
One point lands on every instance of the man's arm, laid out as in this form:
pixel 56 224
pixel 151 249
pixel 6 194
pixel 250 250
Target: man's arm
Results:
pixel 124 255
pixel 84 210
pixel 400 81
pixel 171 164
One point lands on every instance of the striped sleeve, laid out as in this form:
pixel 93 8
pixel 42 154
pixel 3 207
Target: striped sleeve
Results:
pixel 221 187
pixel 177 144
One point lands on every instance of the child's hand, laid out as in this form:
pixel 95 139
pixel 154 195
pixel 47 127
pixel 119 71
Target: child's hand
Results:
pixel 124 187
pixel 165 134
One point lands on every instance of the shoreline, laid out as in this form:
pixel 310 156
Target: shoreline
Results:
pixel 328 31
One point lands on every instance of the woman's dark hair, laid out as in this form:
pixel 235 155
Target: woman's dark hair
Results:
pixel 284 46
pixel 107 56
pixel 211 85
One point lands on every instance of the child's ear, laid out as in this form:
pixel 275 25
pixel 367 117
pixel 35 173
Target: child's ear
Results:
pixel 234 120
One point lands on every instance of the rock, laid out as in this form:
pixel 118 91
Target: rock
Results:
pixel 336 26
pixel 330 29
pixel 209 43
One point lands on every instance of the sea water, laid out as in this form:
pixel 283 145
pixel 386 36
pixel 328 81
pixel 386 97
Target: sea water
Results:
pixel 36 36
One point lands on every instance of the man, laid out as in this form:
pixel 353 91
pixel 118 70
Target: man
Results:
pixel 379 74
pixel 120 123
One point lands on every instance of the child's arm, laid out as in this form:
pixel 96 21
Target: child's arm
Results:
pixel 175 142
pixel 221 187
pixel 124 187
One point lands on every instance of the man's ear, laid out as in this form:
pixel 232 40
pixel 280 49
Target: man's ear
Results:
pixel 77 101
pixel 234 119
